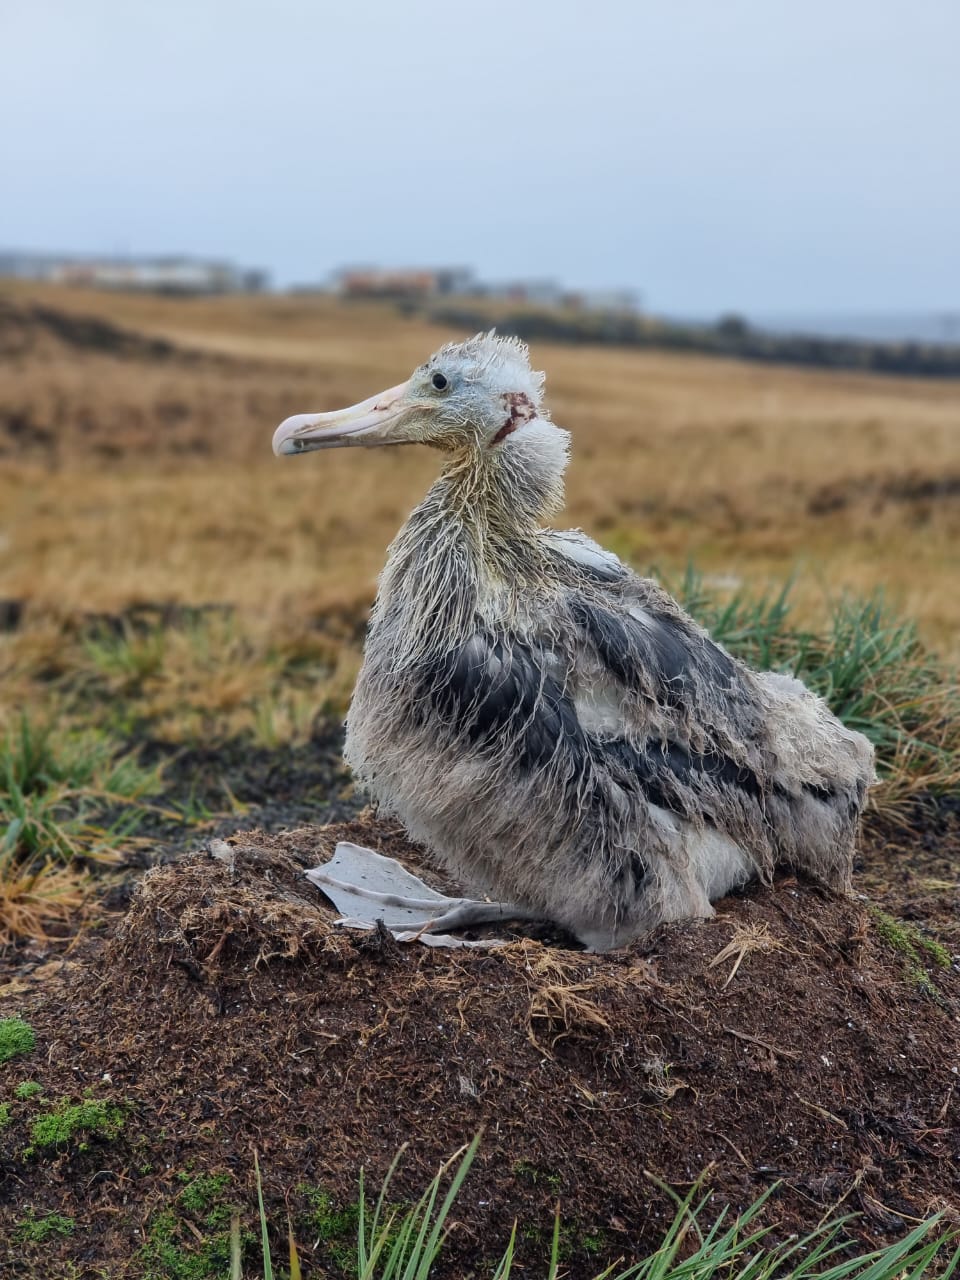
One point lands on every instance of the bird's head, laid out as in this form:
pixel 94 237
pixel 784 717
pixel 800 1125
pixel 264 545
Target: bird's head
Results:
pixel 474 395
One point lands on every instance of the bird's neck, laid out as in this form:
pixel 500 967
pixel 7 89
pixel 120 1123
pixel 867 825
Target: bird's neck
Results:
pixel 471 548
pixel 507 488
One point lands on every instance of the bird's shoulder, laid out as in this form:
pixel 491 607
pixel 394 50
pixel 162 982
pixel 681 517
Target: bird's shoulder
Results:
pixel 597 580
pixel 574 550
pixel 599 574
pixel 630 639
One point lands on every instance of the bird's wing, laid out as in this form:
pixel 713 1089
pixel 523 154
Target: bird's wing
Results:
pixel 640 635
pixel 656 653
pixel 664 703
pixel 653 652
pixel 516 699
pixel 503 693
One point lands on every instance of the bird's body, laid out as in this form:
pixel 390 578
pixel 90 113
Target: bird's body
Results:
pixel 554 728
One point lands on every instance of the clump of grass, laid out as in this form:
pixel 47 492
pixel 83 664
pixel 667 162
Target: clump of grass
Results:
pixel 395 1245
pixel 868 664
pixel 66 794
pixel 73 794
pixel 74 1124
pixel 6 1115
pixel 204 678
pixel 127 659
pixel 38 898
pixel 37 1230
pixel 39 758
pixel 27 1089
pixel 16 1037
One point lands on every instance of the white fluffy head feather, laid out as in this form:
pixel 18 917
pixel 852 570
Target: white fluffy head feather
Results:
pixel 491 364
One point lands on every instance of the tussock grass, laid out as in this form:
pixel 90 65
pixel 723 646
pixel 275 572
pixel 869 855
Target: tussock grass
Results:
pixel 393 1244
pixel 66 794
pixel 36 901
pixel 189 681
pixel 68 798
pixel 868 663
pixel 73 791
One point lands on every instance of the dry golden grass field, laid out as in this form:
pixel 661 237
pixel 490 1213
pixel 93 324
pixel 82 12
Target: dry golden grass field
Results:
pixel 148 476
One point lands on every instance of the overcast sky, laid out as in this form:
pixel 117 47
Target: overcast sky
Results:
pixel 761 155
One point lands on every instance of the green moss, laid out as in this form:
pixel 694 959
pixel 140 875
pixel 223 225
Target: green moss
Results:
pixel 5 1115
pixel 935 949
pixel 571 1239
pixel 172 1250
pixel 921 980
pixel 200 1194
pixel 593 1242
pixel 169 1254
pixel 895 933
pixel 535 1175
pixel 219 1216
pixel 542 1238
pixel 917 949
pixel 16 1037
pixel 39 1229
pixel 67 1122
pixel 333 1226
pixel 28 1089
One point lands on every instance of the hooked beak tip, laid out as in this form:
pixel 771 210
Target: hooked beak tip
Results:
pixel 284 443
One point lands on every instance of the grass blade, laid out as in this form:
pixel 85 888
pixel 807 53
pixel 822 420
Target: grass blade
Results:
pixel 235 1248
pixel 294 1256
pixel 267 1261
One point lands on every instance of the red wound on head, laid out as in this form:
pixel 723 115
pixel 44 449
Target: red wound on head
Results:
pixel 520 409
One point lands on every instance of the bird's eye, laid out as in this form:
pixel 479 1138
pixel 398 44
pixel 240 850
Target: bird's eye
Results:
pixel 439 381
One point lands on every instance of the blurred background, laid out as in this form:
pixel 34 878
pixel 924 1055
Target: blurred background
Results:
pixel 729 233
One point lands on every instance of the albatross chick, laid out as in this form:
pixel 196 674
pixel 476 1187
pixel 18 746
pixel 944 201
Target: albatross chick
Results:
pixel 552 727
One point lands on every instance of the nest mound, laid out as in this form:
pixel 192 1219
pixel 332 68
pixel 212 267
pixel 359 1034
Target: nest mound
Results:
pixel 788 1040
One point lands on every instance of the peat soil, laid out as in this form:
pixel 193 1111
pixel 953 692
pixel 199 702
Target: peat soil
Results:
pixel 795 1042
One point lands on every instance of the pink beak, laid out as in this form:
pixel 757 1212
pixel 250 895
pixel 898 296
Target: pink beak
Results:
pixel 366 424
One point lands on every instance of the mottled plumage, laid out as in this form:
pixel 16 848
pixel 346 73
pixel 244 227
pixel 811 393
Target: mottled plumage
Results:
pixel 554 728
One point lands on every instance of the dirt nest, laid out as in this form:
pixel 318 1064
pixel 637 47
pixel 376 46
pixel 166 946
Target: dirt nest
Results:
pixel 786 1041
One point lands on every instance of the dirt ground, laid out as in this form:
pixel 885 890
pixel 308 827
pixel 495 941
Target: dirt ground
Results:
pixel 792 1040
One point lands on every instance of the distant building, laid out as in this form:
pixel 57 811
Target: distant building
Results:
pixel 154 275
pixel 413 282
pixel 543 293
pixel 609 301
